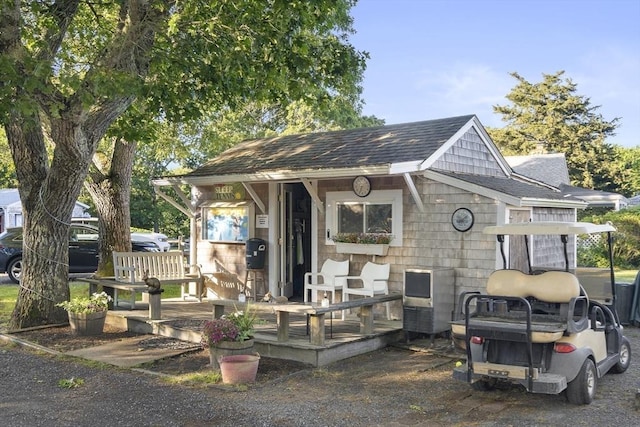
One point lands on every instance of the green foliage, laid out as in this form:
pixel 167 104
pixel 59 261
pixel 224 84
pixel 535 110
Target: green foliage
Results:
pixel 87 304
pixel 8 177
pixel 551 117
pixel 244 320
pixel 202 379
pixel 628 170
pixel 626 244
pixel 363 238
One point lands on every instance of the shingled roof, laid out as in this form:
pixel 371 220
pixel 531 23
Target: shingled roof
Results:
pixel 363 147
pixel 548 168
pixel 511 187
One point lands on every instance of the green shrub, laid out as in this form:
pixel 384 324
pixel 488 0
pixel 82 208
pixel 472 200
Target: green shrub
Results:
pixel 626 241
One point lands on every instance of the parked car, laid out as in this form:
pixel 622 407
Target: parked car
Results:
pixel 83 250
pixel 136 236
pixel 158 238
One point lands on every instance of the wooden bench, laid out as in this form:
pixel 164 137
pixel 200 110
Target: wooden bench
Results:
pixel 315 312
pixel 168 267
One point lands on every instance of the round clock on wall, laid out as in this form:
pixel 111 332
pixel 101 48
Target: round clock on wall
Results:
pixel 462 219
pixel 361 186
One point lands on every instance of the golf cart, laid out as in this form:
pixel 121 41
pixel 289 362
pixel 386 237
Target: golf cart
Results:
pixel 540 329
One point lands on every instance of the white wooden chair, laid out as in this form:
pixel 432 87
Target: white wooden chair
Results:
pixel 330 279
pixel 375 281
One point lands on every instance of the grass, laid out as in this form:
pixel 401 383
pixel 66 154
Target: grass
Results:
pixel 626 276
pixel 196 379
pixel 9 295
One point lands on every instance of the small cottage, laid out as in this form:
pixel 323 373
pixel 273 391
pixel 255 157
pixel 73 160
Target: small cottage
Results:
pixel 431 186
pixel 11 209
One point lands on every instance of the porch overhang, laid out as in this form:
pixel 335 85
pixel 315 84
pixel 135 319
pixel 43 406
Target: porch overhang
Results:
pixel 275 176
pixel 306 177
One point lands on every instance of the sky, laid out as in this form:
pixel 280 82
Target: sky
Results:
pixel 431 59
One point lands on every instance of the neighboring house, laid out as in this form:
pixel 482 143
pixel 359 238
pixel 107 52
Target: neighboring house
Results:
pixel 297 191
pixel 552 169
pixel 548 168
pixel 596 198
pixel 11 209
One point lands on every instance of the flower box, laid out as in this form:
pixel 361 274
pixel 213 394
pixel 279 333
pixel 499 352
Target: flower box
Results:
pixel 362 248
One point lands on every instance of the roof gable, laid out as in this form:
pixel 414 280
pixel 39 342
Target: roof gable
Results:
pixel 469 154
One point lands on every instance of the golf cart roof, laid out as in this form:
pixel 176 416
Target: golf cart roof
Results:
pixel 546 228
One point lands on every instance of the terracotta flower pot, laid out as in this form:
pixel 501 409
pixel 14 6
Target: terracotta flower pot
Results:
pixel 87 323
pixel 239 368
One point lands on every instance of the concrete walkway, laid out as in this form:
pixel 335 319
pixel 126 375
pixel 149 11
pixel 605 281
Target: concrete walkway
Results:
pixel 134 351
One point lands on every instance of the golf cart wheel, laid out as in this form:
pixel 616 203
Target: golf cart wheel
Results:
pixel 625 357
pixel 14 270
pixel 582 389
pixel 485 384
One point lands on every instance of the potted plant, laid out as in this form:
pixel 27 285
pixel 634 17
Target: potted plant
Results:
pixel 231 334
pixel 87 315
pixel 362 243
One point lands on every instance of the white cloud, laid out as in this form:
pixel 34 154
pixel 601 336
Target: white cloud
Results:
pixel 464 89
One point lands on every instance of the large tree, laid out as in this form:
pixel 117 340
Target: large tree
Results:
pixel 315 69
pixel 71 68
pixel 550 117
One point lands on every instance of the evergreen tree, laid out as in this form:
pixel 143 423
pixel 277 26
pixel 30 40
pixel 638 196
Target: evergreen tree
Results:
pixel 550 117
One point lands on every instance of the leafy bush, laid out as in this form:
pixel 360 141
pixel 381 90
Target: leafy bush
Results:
pixel 626 241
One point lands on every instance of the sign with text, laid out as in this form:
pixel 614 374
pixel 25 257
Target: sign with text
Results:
pixel 229 192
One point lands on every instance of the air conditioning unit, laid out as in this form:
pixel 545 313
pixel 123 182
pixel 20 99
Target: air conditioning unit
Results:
pixel 428 300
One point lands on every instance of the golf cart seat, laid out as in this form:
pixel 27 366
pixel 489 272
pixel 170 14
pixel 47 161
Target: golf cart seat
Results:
pixel 552 294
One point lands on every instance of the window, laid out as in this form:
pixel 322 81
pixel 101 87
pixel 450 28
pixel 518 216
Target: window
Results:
pixel 379 212
pixel 227 222
pixel 354 217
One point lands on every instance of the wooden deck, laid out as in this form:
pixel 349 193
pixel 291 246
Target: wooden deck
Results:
pixel 343 339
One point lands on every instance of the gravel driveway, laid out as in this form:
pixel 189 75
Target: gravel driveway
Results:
pixel 389 387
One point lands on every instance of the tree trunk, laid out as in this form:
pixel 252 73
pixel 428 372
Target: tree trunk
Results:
pixel 110 189
pixel 48 196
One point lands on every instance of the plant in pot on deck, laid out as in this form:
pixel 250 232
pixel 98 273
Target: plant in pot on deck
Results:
pixel 230 335
pixel 87 315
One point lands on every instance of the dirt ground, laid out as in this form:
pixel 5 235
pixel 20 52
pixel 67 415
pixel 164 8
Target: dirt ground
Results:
pixel 63 339
pixel 394 386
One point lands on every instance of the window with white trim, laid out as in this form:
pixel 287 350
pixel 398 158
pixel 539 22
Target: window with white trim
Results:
pixel 379 212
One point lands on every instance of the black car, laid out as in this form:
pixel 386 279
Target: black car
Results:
pixel 83 250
